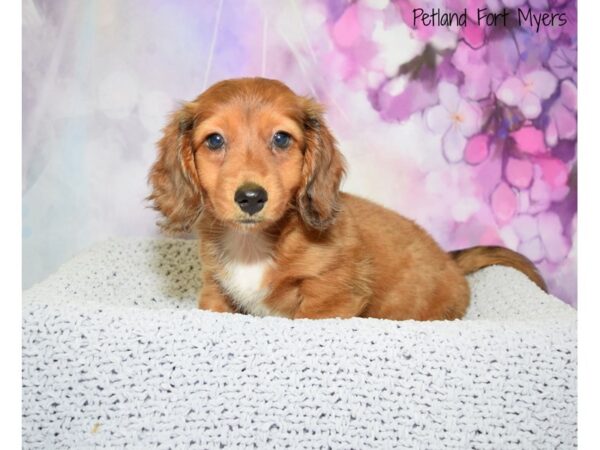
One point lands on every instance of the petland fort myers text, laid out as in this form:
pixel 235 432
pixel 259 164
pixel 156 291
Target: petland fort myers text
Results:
pixel 484 17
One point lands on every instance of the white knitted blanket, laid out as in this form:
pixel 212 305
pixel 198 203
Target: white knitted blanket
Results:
pixel 115 354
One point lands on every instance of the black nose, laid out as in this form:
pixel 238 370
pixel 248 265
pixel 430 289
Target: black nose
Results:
pixel 251 198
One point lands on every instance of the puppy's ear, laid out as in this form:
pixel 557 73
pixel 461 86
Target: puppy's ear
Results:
pixel 175 183
pixel 323 169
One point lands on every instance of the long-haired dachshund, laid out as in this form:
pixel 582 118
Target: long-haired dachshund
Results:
pixel 254 169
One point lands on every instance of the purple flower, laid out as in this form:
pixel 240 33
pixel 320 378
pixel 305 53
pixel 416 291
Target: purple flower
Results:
pixel 562 123
pixel 563 61
pixel 412 96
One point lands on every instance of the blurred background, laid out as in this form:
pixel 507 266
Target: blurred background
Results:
pixel 470 131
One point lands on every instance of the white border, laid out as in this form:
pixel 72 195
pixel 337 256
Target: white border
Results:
pixel 588 228
pixel 588 223
pixel 10 326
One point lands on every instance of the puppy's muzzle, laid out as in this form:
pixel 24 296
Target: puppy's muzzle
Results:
pixel 251 198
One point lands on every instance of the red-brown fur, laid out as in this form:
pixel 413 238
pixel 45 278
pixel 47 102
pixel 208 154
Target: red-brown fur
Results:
pixel 330 254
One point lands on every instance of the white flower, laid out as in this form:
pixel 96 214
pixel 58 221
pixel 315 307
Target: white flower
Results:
pixel 456 118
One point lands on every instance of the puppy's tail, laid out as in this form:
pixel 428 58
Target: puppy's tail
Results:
pixel 472 259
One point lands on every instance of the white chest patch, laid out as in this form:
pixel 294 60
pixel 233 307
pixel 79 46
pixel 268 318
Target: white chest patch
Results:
pixel 245 261
pixel 244 284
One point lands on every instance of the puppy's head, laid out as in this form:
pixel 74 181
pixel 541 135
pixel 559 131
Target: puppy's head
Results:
pixel 245 152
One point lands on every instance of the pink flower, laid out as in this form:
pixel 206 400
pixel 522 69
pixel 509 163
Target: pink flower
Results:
pixel 346 30
pixel 519 172
pixel 504 203
pixel 477 71
pixel 528 91
pixel 473 34
pixel 456 118
pixel 562 123
pixel 477 149
pixel 554 172
pixel 490 237
pixel 529 140
pixel 549 184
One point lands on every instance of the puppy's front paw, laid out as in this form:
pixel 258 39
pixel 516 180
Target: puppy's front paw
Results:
pixel 215 303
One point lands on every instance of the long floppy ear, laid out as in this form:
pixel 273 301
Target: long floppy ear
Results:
pixel 318 196
pixel 175 183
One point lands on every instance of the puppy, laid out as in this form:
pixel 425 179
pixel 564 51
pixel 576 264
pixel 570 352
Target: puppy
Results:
pixel 255 171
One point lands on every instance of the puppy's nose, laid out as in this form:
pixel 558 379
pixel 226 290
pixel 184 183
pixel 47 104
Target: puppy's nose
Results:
pixel 251 198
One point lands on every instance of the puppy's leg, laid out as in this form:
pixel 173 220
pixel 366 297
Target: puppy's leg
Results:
pixel 335 294
pixel 211 298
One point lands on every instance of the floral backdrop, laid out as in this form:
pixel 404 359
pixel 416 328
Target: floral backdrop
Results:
pixel 469 130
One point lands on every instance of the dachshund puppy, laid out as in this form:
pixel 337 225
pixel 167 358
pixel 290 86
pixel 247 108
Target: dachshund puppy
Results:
pixel 255 171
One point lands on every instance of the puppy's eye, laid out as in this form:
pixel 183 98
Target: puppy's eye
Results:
pixel 282 140
pixel 215 141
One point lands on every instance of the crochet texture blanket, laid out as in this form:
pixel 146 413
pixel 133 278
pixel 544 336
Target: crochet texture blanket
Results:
pixel 115 354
